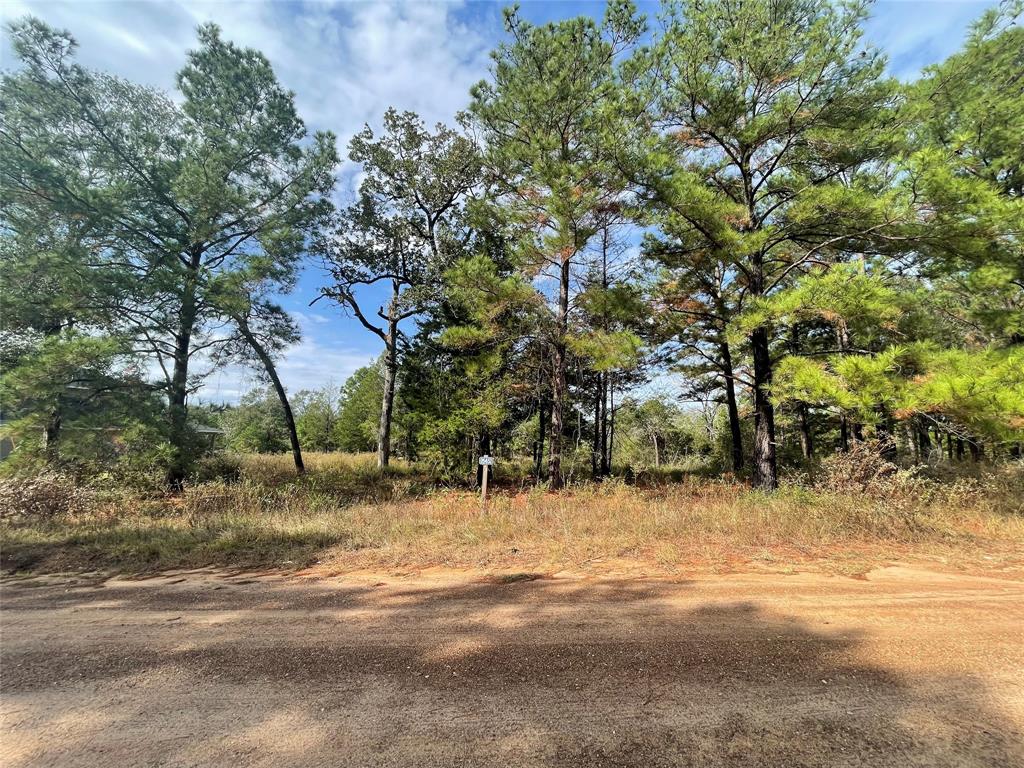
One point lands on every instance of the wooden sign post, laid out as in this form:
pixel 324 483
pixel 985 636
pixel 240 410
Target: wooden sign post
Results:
pixel 486 462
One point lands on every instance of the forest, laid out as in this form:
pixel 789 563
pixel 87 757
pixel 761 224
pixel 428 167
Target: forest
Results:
pixel 720 242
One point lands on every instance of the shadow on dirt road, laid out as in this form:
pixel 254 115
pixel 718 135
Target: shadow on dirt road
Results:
pixel 207 670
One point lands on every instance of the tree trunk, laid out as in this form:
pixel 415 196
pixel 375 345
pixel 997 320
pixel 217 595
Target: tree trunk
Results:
pixel 611 425
pixel 51 435
pixel 601 425
pixel 806 438
pixel 605 463
pixel 271 369
pixel 925 441
pixel 843 340
pixel 802 411
pixel 542 413
pixel 657 451
pixel 178 391
pixel 55 419
pixel 976 450
pixel 390 376
pixel 959 449
pixel 558 387
pixel 735 428
pixel 595 451
pixel 388 399
pixel 884 433
pixel 386 409
pixel 766 474
pixel 765 467
pixel 558 383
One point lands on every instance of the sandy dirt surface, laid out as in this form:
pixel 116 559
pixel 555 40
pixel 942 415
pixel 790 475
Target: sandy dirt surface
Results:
pixel 902 668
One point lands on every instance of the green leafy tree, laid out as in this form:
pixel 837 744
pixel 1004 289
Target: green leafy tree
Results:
pixel 91 385
pixel 655 433
pixel 402 232
pixel 57 287
pixel 695 298
pixel 359 410
pixel 471 368
pixel 967 164
pixel 910 363
pixel 256 424
pixel 316 418
pixel 608 337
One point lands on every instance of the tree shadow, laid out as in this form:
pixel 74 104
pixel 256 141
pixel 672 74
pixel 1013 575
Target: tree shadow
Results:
pixel 150 546
pixel 554 673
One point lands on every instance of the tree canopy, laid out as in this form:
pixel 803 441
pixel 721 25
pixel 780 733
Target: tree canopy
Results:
pixel 733 198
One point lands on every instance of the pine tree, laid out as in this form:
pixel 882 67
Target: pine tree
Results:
pixel 177 197
pixel 772 125
pixel 545 115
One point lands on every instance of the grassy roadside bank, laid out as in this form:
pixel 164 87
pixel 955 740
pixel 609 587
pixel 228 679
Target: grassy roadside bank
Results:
pixel 343 516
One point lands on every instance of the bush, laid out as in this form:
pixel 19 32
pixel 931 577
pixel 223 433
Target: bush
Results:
pixel 45 495
pixel 223 467
pixel 863 469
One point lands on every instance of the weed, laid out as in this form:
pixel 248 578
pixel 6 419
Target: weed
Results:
pixel 346 513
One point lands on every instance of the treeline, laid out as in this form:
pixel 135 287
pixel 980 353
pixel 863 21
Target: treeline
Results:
pixel 734 194
pixel 645 434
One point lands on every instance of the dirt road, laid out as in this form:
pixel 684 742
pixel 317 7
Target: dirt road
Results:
pixel 905 668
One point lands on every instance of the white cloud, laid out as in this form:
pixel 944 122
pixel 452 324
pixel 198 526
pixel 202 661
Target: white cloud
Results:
pixel 915 33
pixel 346 62
pixel 310 364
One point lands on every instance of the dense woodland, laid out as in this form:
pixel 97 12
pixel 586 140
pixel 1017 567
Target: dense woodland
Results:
pixel 731 202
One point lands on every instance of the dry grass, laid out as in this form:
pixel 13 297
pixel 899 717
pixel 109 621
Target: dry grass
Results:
pixel 345 515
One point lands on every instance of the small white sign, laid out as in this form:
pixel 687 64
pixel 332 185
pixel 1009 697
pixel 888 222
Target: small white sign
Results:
pixel 487 461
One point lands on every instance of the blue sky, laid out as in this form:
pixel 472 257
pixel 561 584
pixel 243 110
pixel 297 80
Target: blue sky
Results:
pixel 348 61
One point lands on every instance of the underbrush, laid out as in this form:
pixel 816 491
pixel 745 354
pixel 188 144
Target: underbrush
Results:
pixel 347 514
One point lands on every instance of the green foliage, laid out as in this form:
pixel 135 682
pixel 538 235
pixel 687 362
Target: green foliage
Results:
pixel 196 209
pixel 965 161
pixel 546 114
pixel 772 126
pixel 971 105
pixel 407 225
pixel 865 303
pixel 406 228
pixel 607 350
pixel 973 393
pixel 256 424
pixel 359 410
pixel 652 433
pixel 816 238
pixel 344 419
pixel 74 401
pixel 549 116
pixel 982 391
pixel 316 416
